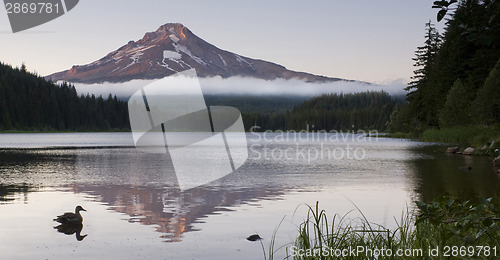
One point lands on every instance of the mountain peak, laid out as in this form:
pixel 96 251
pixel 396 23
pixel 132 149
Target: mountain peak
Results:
pixel 170 49
pixel 175 28
pixel 175 31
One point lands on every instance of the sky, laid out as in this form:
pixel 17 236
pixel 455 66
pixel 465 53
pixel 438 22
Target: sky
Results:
pixel 365 40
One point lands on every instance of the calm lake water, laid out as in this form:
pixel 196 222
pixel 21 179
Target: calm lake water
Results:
pixel 135 209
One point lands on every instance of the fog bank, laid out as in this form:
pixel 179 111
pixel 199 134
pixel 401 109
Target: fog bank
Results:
pixel 247 86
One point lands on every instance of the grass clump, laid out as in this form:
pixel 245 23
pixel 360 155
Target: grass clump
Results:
pixel 437 230
pixel 474 136
pixel 401 135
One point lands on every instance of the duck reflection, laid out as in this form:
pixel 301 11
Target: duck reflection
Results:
pixel 70 229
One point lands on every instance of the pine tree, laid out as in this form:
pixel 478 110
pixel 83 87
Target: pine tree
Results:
pixel 487 103
pixel 456 110
pixel 4 112
pixel 419 88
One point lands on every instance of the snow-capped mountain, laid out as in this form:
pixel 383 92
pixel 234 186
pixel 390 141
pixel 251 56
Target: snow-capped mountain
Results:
pixel 171 49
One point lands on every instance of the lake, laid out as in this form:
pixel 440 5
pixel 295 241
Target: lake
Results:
pixel 136 210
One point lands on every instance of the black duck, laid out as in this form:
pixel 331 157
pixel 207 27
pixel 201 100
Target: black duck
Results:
pixel 71 218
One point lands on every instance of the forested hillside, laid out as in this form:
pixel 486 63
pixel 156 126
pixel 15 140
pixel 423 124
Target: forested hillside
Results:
pixel 29 103
pixel 367 110
pixel 258 104
pixel 457 80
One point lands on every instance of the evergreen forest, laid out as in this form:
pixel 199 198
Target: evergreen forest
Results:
pixel 456 82
pixel 30 103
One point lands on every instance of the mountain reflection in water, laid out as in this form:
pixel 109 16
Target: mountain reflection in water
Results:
pixel 173 212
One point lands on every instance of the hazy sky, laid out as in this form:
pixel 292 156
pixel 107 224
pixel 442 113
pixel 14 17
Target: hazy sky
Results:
pixel 363 40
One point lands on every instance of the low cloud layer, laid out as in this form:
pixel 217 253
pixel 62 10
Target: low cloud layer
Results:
pixel 248 86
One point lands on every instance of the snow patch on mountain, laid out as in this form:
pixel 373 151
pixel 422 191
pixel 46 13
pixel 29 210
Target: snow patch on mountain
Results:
pixel 117 68
pixel 241 60
pixel 185 50
pixel 171 55
pixel 175 57
pixel 135 57
pixel 222 59
pixel 173 38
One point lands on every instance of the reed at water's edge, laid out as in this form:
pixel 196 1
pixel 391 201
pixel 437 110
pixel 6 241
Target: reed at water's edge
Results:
pixel 437 230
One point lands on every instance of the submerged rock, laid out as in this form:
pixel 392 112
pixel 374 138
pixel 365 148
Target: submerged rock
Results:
pixel 454 149
pixel 468 151
pixel 254 237
pixel 468 168
pixel 496 162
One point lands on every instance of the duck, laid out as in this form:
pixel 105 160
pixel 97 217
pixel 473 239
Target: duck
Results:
pixel 71 218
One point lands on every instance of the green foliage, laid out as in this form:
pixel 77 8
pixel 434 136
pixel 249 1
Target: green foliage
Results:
pixel 405 135
pixel 29 103
pixel 456 110
pixel 450 222
pixel 487 103
pixel 444 6
pixel 401 122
